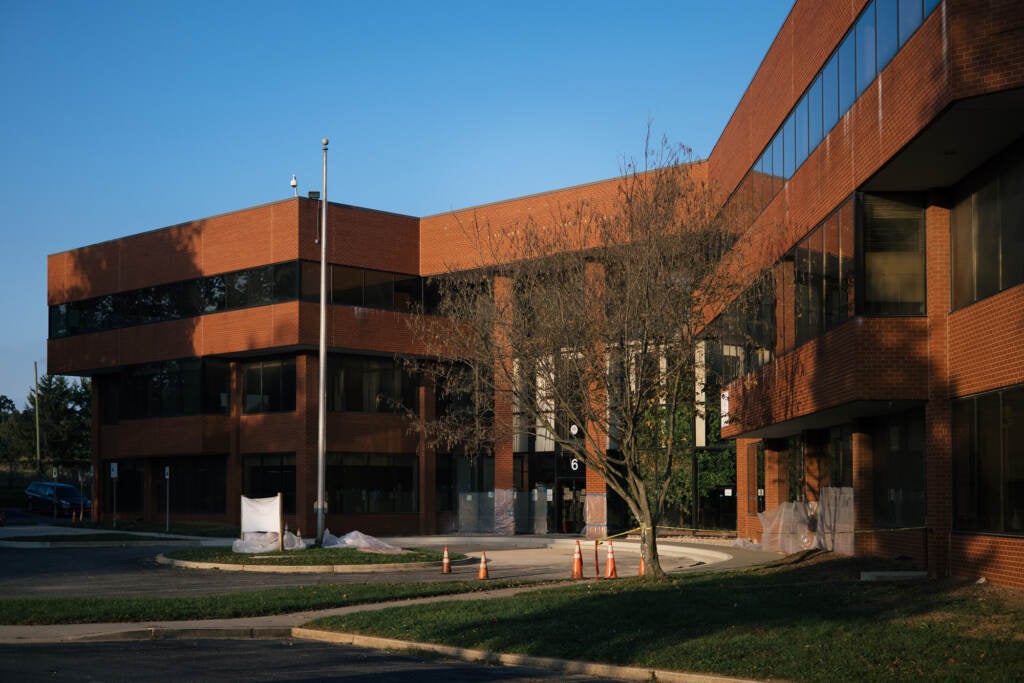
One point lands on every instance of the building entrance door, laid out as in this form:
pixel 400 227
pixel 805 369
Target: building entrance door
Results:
pixel 570 494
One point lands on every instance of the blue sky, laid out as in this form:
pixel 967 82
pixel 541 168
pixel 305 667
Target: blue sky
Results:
pixel 120 117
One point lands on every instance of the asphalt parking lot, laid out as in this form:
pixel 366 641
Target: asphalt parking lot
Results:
pixel 133 569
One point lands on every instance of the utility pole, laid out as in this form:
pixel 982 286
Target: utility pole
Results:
pixel 321 441
pixel 35 371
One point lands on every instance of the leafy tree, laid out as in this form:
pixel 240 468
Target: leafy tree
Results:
pixel 65 424
pixel 582 331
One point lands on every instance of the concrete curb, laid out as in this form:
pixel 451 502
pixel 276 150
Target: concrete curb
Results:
pixel 566 666
pixel 306 569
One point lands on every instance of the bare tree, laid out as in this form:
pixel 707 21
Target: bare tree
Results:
pixel 581 332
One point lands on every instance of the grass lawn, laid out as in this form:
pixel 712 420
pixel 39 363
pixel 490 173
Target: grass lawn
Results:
pixel 810 620
pixel 307 557
pixel 105 609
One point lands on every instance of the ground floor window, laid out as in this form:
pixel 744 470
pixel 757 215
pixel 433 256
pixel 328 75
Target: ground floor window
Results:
pixel 899 490
pixel 988 462
pixel 267 474
pixel 128 488
pixel 198 484
pixel 372 483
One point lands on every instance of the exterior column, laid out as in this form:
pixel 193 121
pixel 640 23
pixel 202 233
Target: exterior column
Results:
pixel 427 457
pixel 504 477
pixel 938 417
pixel 863 488
pixel 234 463
pixel 747 523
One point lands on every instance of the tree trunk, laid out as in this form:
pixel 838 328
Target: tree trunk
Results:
pixel 649 551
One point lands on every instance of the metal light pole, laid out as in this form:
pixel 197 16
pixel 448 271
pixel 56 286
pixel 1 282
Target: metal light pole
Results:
pixel 322 388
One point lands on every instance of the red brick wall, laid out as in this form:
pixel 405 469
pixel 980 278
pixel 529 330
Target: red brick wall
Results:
pixel 986 344
pixel 999 559
pixel 864 359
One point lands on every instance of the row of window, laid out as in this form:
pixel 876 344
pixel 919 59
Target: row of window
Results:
pixel 988 462
pixel 879 32
pixel 870 261
pixel 260 286
pixel 987 229
pixel 366 384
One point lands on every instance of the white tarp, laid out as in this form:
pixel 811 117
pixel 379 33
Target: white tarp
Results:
pixel 261 514
pixel 359 541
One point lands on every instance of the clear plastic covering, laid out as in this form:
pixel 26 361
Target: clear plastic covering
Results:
pixel 266 542
pixel 359 541
pixel 826 524
pixel 787 528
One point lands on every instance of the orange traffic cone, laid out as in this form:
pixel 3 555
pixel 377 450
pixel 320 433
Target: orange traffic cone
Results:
pixel 609 567
pixel 446 564
pixel 642 572
pixel 577 563
pixel 482 574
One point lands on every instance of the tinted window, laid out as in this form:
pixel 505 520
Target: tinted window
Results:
pixel 789 147
pixel 909 19
pixel 886 31
pixel 893 252
pixel 800 128
pixel 866 48
pixel 830 94
pixel 814 114
pixel 847 74
pixel 379 290
pixel 346 286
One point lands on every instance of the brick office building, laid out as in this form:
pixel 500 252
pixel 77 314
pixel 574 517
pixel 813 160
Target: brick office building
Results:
pixel 880 146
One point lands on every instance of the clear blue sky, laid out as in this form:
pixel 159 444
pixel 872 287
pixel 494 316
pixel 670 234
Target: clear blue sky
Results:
pixel 120 117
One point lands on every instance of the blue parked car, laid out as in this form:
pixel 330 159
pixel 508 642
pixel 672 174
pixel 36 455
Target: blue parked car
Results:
pixel 46 496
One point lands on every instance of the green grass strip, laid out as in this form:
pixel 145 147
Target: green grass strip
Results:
pixel 106 609
pixel 307 557
pixel 791 624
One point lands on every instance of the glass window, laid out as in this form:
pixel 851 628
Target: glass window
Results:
pixel 1011 196
pixel 988 462
pixel 379 290
pixel 899 479
pixel 372 483
pixel 309 281
pixel 986 240
pixel 216 389
pixel 267 474
pixel 789 147
pixel 814 115
pixel 286 281
pixel 214 293
pixel 800 128
pixel 910 19
pixel 830 94
pixel 408 293
pixel 835 300
pixel 346 286
pixel 866 48
pixel 777 163
pixel 269 386
pixel 886 31
pixel 198 484
pixel 962 236
pixel 987 235
pixel 1013 445
pixel 892 245
pixel 847 73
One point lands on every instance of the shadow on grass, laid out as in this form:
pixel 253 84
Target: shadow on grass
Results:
pixel 812 620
